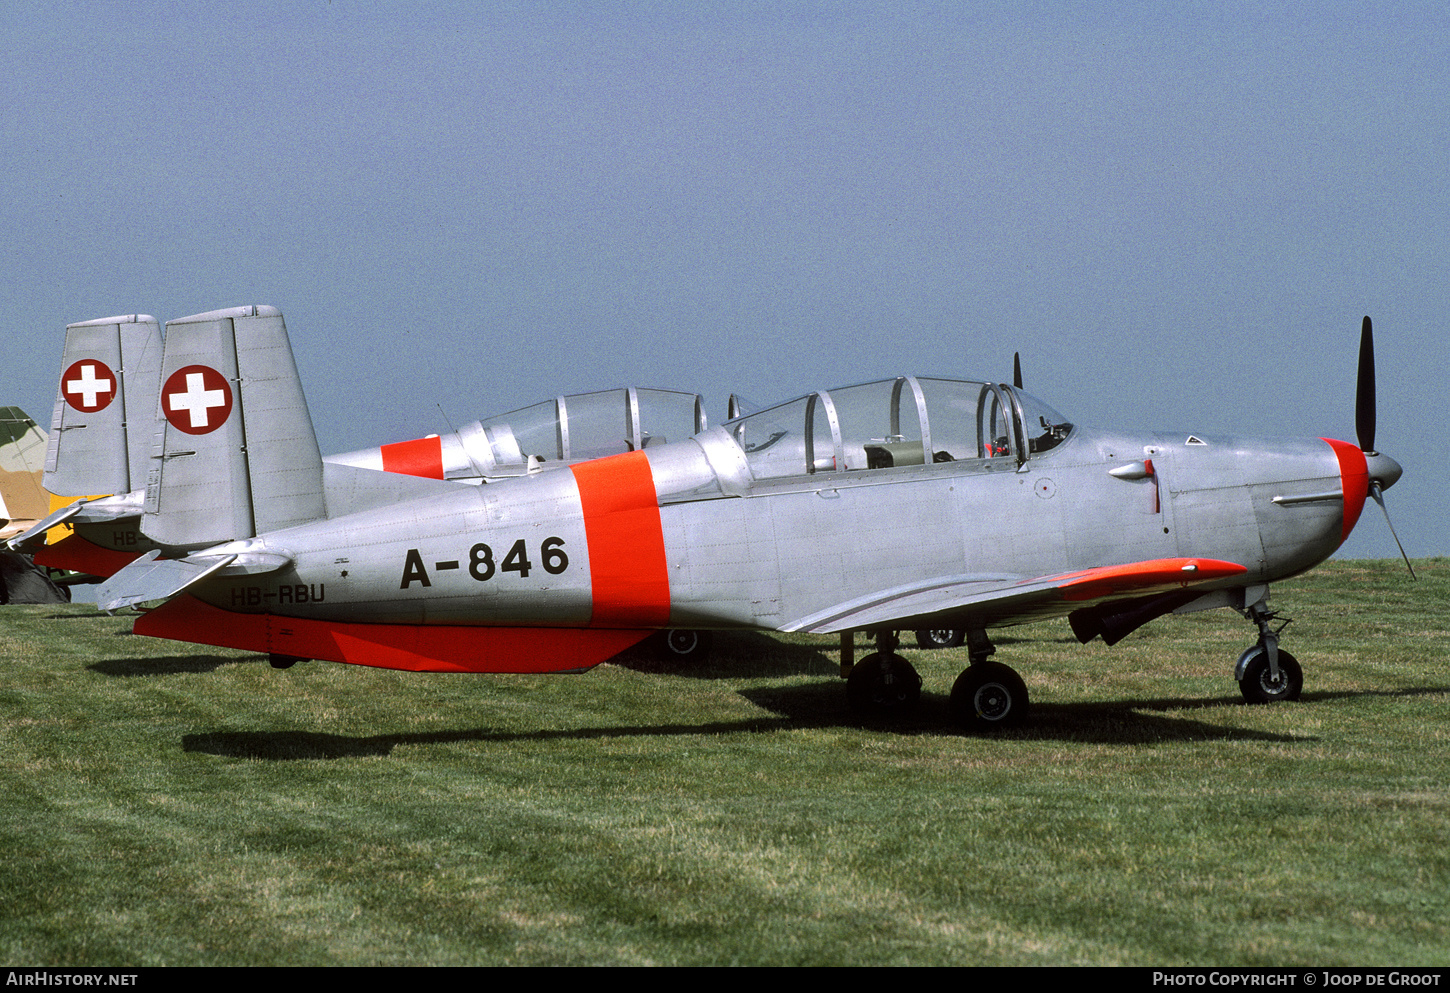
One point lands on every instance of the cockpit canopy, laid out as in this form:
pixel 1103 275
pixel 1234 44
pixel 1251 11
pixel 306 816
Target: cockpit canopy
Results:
pixel 905 421
pixel 593 425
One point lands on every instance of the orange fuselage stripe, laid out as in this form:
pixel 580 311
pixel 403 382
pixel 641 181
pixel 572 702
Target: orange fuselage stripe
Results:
pixel 628 573
pixel 421 457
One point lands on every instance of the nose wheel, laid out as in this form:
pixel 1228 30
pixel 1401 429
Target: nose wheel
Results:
pixel 1265 672
pixel 1259 684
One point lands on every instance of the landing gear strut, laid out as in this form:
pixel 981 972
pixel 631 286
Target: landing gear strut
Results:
pixel 883 682
pixel 1265 672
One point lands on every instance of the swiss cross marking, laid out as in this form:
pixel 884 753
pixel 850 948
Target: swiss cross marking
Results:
pixel 88 386
pixel 196 399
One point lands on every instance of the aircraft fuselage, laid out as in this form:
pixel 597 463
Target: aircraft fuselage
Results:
pixel 665 538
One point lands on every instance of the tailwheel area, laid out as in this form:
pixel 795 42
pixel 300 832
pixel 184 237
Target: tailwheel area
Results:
pixel 989 696
pixel 683 645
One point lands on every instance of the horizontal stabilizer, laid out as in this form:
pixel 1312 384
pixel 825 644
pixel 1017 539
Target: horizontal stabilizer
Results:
pixel 153 578
pixel 1003 599
pixel 38 529
pixel 412 647
pixel 100 510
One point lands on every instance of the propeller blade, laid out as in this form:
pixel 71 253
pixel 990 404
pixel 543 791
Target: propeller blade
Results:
pixel 1364 390
pixel 1017 370
pixel 1374 491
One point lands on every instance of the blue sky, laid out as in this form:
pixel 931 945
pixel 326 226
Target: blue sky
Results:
pixel 1177 213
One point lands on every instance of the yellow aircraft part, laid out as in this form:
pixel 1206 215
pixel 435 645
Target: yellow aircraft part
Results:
pixel 23 495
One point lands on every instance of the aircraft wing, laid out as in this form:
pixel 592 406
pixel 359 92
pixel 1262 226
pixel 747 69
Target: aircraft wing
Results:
pixel 997 598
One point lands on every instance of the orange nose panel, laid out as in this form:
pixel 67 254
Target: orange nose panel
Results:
pixel 1354 478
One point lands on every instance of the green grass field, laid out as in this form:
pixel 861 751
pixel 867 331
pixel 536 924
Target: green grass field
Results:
pixel 165 804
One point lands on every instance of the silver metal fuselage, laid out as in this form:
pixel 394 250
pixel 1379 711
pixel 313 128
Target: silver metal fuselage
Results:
pixel 781 553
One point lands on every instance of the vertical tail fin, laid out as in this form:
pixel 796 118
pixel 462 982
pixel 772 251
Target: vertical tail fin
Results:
pixel 235 451
pixel 105 406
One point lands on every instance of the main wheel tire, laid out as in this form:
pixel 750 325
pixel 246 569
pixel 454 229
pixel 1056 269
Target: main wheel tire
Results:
pixel 1258 686
pixel 684 645
pixel 882 684
pixel 989 696
pixel 940 638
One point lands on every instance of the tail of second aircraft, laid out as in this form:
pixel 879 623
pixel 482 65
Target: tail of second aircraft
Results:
pixel 22 450
pixel 234 450
pixel 101 428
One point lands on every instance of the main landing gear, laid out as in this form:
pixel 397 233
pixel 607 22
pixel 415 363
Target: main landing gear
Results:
pixel 883 682
pixel 1266 673
pixel 987 696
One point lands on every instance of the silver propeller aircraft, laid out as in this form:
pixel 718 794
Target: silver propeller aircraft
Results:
pixel 911 503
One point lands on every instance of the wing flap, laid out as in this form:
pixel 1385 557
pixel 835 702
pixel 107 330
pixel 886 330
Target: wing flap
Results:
pixel 1001 599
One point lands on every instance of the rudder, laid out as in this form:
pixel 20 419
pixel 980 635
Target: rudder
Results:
pixel 236 454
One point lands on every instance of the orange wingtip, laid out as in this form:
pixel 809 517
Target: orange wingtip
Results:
pixel 411 647
pixel 1146 577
